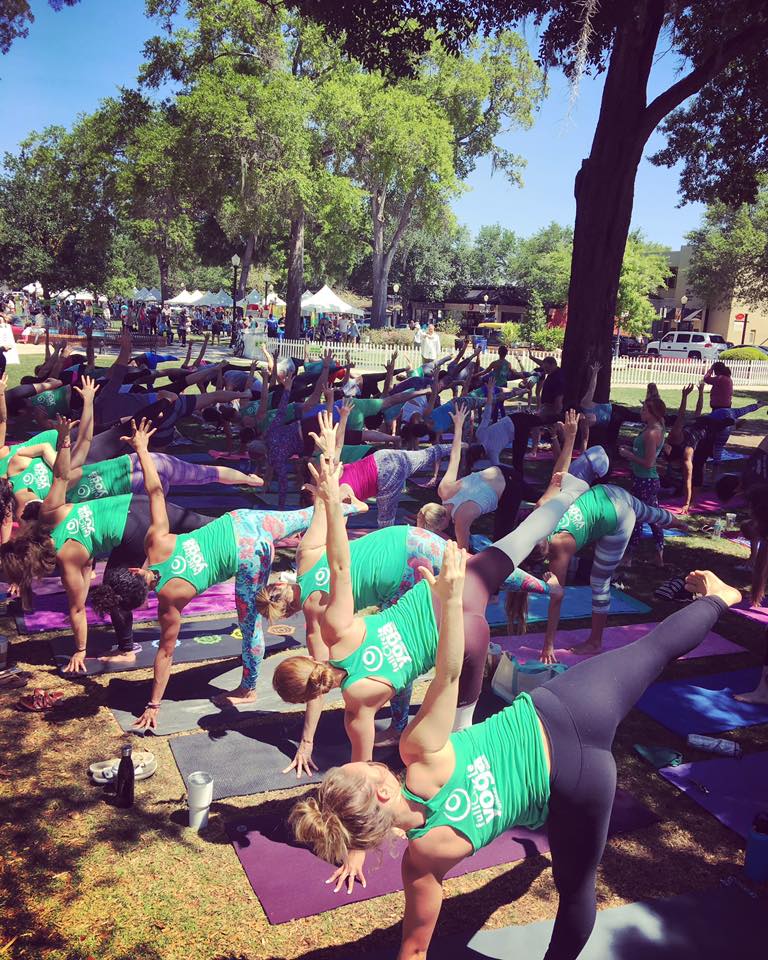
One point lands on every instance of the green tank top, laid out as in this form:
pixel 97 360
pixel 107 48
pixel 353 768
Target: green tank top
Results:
pixel 38 478
pixel 378 568
pixel 98 525
pixel 500 779
pixel 47 436
pixel 206 556
pixel 590 517
pixel 107 478
pixel 638 448
pixel 52 401
pixel 362 409
pixel 400 643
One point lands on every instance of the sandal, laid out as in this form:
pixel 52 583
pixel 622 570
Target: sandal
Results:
pixel 40 700
pixel 13 682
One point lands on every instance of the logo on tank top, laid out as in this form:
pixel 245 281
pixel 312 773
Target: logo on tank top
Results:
pixel 481 801
pixel 392 650
pixel 81 522
pixel 193 558
pixel 37 477
pixel 573 517
pixel 94 486
pixel 322 576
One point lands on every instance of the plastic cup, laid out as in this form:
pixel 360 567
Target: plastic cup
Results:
pixel 199 798
pixel 730 519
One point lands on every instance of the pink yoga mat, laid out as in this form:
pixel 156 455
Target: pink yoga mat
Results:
pixel 263 844
pixel 528 647
pixel 50 585
pixel 218 599
pixel 737 787
pixel 705 504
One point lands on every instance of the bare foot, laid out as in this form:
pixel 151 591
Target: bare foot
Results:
pixel 760 695
pixel 388 737
pixel 706 584
pixel 127 656
pixel 586 648
pixel 253 480
pixel 232 697
pixel 360 505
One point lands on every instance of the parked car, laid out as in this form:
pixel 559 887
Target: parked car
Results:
pixel 628 347
pixel 688 344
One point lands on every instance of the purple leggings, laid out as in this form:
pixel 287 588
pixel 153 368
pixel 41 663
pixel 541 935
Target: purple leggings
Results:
pixel 172 472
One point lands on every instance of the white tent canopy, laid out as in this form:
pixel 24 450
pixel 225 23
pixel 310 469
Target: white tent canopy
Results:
pixel 223 299
pixel 207 300
pixel 140 294
pixel 326 301
pixel 154 294
pixel 182 300
pixel 84 296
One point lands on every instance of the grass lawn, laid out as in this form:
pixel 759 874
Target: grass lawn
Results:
pixel 79 879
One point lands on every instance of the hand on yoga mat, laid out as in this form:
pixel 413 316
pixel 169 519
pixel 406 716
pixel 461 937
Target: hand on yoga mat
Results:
pixel 148 719
pixel 302 762
pixel 349 871
pixel 76 663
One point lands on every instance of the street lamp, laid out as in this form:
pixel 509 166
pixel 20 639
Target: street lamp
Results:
pixel 395 290
pixel 235 266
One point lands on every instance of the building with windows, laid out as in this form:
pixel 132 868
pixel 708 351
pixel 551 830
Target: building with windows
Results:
pixel 478 305
pixel 680 308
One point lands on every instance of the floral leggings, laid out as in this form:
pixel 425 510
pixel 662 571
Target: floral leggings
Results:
pixel 423 549
pixel 256 532
pixel 646 489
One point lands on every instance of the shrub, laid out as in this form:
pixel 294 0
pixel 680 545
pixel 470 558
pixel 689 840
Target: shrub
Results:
pixel 550 338
pixel 449 325
pixel 742 353
pixel 510 334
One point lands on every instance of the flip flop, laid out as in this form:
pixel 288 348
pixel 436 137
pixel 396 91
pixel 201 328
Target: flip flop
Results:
pixel 13 682
pixel 40 700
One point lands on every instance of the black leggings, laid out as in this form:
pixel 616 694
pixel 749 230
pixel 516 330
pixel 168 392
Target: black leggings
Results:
pixel 580 710
pixel 131 553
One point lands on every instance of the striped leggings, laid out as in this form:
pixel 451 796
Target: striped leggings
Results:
pixel 394 467
pixel 631 514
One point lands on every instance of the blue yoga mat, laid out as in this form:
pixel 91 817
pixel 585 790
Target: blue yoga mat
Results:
pixel 577 604
pixel 704 704
pixel 646 532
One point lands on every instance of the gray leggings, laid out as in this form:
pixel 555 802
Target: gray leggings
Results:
pixel 172 472
pixel 394 468
pixel 610 549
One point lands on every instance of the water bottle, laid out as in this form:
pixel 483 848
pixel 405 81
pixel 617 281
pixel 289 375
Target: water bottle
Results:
pixel 718 528
pixel 124 783
pixel 756 860
pixel 726 748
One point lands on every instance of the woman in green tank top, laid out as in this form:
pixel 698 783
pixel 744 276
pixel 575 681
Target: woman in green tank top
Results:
pixel 72 537
pixel 545 759
pixel 642 458
pixel 239 544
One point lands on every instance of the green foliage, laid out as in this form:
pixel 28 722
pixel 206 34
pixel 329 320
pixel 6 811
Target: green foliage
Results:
pixel 743 353
pixel 494 257
pixel 387 336
pixel 449 325
pixel 644 269
pixel 434 259
pixel 543 264
pixel 730 253
pixel 534 322
pixel 511 334
pixel 550 338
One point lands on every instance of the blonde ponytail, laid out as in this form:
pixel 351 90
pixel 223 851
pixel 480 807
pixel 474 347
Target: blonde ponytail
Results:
pixel 299 679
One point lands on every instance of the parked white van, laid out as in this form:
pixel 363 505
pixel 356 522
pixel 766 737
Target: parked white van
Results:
pixel 688 344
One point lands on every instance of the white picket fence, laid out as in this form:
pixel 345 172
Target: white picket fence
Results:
pixel 625 371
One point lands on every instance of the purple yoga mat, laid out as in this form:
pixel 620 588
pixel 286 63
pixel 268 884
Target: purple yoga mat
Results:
pixel 528 647
pixel 758 614
pixel 51 585
pixel 217 599
pixel 705 504
pixel 738 788
pixel 261 845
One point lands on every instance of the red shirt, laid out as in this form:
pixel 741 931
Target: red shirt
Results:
pixel 722 390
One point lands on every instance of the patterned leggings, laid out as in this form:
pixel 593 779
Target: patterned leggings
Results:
pixel 394 468
pixel 172 472
pixel 423 549
pixel 646 489
pixel 256 532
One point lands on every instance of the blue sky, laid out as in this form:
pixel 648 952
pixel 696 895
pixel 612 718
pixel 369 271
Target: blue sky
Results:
pixel 74 58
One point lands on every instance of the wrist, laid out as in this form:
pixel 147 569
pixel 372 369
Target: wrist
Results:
pixel 153 706
pixel 307 740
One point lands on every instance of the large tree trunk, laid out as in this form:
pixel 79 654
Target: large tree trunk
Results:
pixel 162 266
pixel 604 189
pixel 295 277
pixel 245 266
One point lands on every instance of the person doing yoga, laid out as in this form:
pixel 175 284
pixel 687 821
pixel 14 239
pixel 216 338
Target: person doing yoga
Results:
pixel 545 759
pixel 72 536
pixel 239 544
pixel 374 657
pixel 642 456
pixel 604 516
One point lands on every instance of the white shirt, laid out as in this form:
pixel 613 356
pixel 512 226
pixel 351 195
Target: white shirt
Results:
pixel 430 346
pixel 418 335
pixel 343 324
pixel 412 407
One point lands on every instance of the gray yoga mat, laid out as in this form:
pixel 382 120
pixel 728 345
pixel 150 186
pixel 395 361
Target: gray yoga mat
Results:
pixel 249 761
pixel 187 701
pixel 199 640
pixel 710 925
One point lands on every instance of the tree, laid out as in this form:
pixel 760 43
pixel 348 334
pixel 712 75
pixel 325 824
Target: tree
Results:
pixel 644 268
pixel 15 17
pixel 534 321
pixel 543 263
pixel 433 263
pixel 730 253
pixel 493 259
pixel 718 43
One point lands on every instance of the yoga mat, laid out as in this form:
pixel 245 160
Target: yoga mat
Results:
pixel 732 455
pixel 187 701
pixel 50 585
pixel 218 599
pixel 199 640
pixel 250 761
pixel 528 646
pixel 708 925
pixel 262 842
pixel 705 504
pixel 735 537
pixel 758 614
pixel 577 603
pixel 705 704
pixel 214 504
pixel 646 532
pixel 738 787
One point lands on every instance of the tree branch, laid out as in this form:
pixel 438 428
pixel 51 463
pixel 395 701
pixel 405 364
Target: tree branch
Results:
pixel 402 222
pixel 747 41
